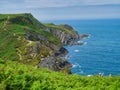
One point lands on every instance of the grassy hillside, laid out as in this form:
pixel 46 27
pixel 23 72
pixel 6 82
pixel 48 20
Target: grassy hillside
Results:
pixel 19 23
pixel 15 76
pixel 13 28
pixel 59 27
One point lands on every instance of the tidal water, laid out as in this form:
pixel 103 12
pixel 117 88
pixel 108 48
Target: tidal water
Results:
pixel 101 53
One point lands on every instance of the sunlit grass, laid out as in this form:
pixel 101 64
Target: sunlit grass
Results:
pixel 16 76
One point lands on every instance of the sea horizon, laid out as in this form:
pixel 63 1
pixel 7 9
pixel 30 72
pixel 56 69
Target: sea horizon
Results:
pixel 83 19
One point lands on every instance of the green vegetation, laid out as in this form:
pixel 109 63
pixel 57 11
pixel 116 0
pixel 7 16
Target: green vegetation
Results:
pixel 15 50
pixel 19 23
pixel 7 46
pixel 16 76
pixel 13 29
pixel 59 27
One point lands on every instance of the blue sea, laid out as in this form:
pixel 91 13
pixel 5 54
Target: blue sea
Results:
pixel 101 54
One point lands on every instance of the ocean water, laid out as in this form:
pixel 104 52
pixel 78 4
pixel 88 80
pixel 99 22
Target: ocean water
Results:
pixel 101 54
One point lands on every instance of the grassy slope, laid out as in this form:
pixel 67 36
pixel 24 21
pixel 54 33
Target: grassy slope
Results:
pixel 25 77
pixel 59 27
pixel 17 23
pixel 12 31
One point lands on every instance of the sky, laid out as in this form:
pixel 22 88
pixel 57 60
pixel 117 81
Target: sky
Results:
pixel 63 9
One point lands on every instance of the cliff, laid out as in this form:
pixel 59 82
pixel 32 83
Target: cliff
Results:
pixel 65 33
pixel 24 39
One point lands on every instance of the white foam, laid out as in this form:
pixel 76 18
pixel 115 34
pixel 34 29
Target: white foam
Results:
pixel 81 72
pixel 76 65
pixel 85 43
pixel 76 50
pixel 79 41
pixel 67 57
pixel 89 75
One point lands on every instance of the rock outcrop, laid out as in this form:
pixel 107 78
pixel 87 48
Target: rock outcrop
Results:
pixel 82 36
pixel 56 62
pixel 68 37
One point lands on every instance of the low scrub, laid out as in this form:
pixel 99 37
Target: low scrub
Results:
pixel 16 76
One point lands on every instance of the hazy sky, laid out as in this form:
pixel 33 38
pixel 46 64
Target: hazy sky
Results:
pixel 63 9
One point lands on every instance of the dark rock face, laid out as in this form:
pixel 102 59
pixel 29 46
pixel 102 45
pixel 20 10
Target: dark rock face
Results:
pixel 66 38
pixel 82 36
pixel 53 63
pixel 33 36
pixel 56 62
pixel 62 52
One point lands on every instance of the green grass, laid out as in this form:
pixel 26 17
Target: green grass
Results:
pixel 7 46
pixel 18 23
pixel 13 31
pixel 59 27
pixel 16 76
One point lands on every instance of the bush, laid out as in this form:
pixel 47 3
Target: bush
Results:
pixel 16 76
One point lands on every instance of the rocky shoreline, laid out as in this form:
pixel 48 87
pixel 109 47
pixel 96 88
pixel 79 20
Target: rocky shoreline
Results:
pixel 58 60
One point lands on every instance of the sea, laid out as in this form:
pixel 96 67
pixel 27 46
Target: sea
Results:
pixel 101 52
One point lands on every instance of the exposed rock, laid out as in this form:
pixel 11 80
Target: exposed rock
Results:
pixel 66 38
pixel 56 62
pixel 33 36
pixel 80 43
pixel 62 52
pixel 82 36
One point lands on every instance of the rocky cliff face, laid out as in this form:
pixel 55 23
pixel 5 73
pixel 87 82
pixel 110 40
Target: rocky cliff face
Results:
pixel 57 60
pixel 28 41
pixel 67 38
